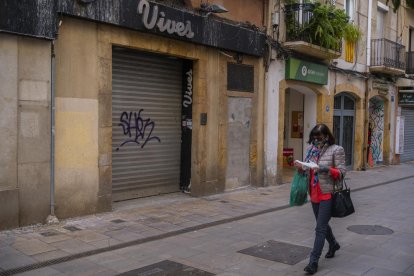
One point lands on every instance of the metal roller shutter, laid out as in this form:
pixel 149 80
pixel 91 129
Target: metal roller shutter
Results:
pixel 146 129
pixel 408 154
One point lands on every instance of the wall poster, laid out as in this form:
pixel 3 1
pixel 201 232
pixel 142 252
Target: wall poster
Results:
pixel 297 124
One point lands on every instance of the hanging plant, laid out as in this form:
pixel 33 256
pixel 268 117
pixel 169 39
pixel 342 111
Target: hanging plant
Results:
pixel 351 33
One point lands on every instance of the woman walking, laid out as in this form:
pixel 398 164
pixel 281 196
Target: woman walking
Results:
pixel 330 158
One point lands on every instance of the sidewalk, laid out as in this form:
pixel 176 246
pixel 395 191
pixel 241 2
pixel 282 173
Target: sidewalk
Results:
pixel 139 221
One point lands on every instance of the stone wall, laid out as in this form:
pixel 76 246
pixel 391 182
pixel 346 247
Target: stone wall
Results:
pixel 25 76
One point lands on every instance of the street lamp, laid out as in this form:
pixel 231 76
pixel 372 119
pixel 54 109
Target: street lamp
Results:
pixel 208 9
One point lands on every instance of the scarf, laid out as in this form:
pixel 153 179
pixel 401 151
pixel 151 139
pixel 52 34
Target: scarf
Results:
pixel 313 155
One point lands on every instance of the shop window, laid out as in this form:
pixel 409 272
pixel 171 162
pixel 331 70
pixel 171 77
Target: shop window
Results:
pixel 240 77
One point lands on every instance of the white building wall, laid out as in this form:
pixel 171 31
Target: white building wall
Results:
pixel 275 74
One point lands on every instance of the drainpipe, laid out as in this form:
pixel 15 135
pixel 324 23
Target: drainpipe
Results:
pixel 52 218
pixel 366 115
pixel 369 33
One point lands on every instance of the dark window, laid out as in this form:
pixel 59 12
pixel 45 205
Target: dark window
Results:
pixel 240 77
pixel 337 103
pixel 349 103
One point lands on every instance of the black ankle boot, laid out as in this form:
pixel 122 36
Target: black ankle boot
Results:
pixel 311 268
pixel 332 250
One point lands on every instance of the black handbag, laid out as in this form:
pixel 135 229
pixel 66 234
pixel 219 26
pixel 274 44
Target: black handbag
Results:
pixel 342 205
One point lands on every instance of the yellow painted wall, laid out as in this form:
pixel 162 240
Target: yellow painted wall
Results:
pixel 84 116
pixel 237 10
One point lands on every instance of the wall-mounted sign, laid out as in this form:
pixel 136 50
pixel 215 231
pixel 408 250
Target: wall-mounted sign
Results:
pixel 297 124
pixel 161 19
pixel 297 69
pixel 382 86
pixel 406 97
pixel 288 157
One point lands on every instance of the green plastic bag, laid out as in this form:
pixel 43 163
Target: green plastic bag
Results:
pixel 299 189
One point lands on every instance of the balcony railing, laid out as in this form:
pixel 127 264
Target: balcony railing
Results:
pixel 388 54
pixel 297 16
pixel 410 63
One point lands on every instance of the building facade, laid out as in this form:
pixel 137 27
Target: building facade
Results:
pixel 147 98
pixel 351 86
pixel 105 101
pixel 405 86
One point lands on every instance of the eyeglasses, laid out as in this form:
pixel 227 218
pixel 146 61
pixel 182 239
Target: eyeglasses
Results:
pixel 318 138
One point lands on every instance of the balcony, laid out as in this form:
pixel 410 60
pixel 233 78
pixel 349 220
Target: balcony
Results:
pixel 387 57
pixel 410 63
pixel 298 36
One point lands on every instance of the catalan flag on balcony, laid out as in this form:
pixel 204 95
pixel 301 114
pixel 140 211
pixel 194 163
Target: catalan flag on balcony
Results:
pixel 349 51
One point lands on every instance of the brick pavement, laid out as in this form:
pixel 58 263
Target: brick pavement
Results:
pixel 145 221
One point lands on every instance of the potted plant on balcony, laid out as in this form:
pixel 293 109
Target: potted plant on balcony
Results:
pixel 326 26
pixel 319 24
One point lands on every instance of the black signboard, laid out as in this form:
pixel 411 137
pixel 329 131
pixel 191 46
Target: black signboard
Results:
pixel 39 18
pixel 406 98
pixel 186 125
pixel 29 17
pixel 156 18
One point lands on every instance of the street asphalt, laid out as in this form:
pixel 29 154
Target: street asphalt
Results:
pixel 251 231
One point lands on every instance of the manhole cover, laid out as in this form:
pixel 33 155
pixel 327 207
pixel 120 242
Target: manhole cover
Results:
pixel 117 221
pixel 279 252
pixel 49 233
pixel 370 230
pixel 169 268
pixel 72 228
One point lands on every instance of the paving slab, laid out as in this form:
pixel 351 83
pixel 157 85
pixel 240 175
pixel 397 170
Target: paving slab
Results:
pixel 196 218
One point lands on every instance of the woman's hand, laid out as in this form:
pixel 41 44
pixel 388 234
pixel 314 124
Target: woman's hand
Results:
pixel 299 167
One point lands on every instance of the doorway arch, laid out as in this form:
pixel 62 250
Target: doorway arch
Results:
pixel 298 113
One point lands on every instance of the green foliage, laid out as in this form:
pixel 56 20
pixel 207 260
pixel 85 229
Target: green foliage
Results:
pixel 410 3
pixel 291 2
pixel 351 33
pixel 326 27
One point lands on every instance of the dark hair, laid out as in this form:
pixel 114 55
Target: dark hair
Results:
pixel 324 130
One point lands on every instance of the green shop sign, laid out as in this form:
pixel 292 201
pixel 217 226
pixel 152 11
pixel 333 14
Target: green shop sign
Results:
pixel 297 69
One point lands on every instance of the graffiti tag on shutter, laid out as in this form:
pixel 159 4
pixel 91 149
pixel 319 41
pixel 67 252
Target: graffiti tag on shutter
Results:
pixel 137 129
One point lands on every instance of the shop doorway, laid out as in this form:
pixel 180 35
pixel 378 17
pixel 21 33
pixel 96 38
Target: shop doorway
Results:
pixel 344 125
pixel 299 119
pixel 151 124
